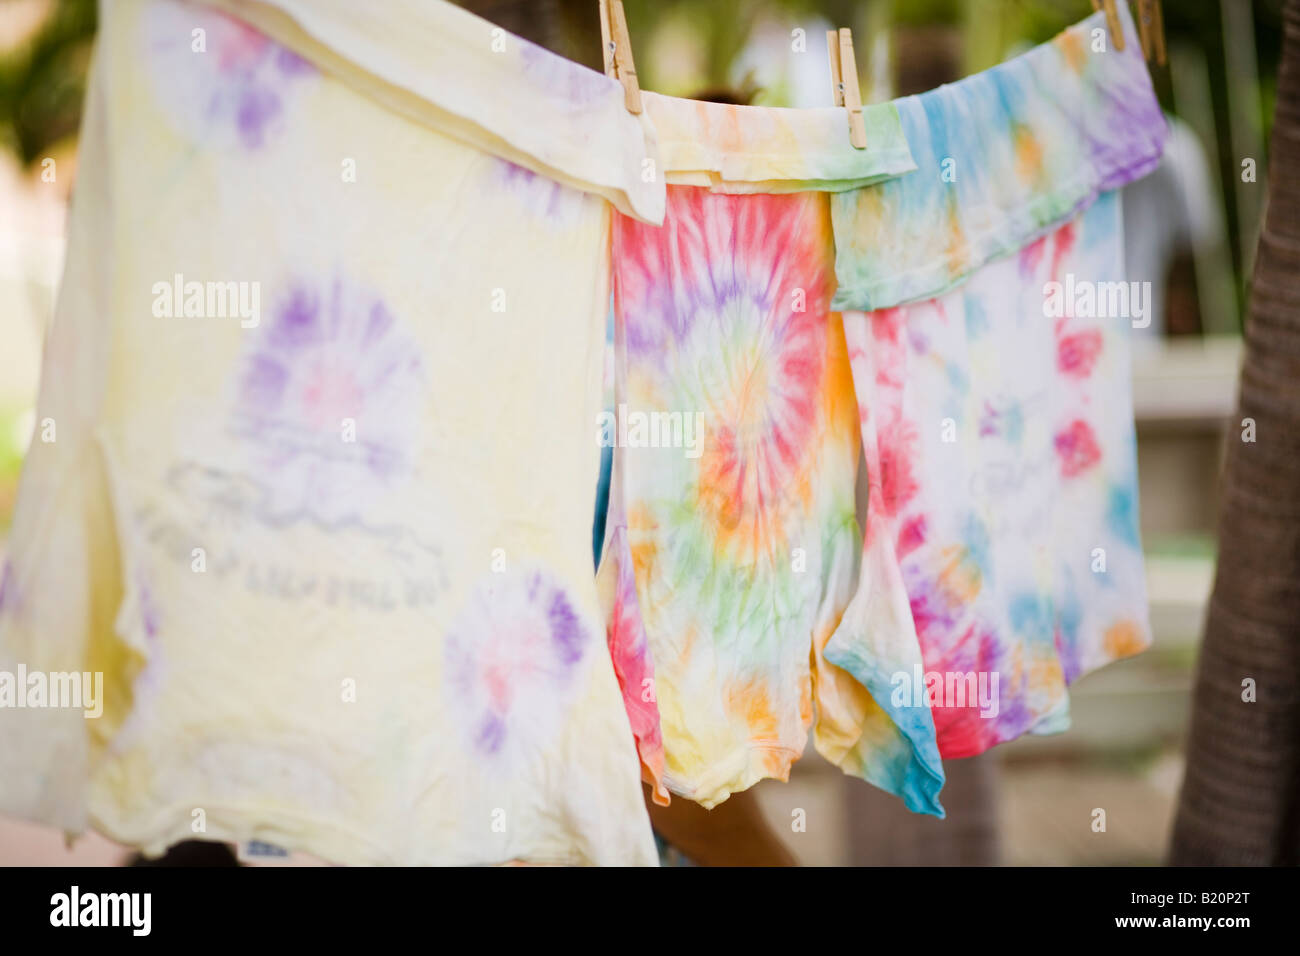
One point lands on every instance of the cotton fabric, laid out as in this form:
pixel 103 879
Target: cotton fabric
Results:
pixel 993 387
pixel 728 562
pixel 976 563
pixel 334 563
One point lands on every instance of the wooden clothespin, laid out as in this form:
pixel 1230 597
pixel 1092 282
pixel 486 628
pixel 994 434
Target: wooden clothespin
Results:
pixel 844 82
pixel 1151 21
pixel 618 52
pixel 1112 21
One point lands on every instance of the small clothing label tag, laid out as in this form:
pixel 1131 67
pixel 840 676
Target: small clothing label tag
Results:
pixel 259 851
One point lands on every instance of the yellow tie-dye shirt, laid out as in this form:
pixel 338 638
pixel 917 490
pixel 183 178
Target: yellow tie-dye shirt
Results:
pixel 322 378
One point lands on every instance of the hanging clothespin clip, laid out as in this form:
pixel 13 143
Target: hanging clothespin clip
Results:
pixel 1151 21
pixel 618 52
pixel 1112 21
pixel 844 82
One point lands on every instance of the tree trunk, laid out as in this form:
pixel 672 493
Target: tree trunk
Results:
pixel 1240 802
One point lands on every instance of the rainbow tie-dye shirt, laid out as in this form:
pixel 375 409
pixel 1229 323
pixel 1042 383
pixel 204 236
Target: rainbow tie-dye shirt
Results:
pixel 732 541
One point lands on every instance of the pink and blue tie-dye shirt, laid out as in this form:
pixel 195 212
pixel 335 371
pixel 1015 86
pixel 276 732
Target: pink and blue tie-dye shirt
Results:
pixel 987 317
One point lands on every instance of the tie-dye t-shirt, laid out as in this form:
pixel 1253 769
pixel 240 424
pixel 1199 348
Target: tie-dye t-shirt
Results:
pixel 1003 157
pixel 743 150
pixel 993 387
pixel 732 542
pixel 323 375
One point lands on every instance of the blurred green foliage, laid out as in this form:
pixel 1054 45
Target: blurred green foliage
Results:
pixel 11 460
pixel 43 80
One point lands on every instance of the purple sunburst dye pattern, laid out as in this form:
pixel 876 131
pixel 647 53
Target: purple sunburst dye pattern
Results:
pixel 512 655
pixel 235 90
pixel 332 358
pixel 542 198
pixel 565 629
